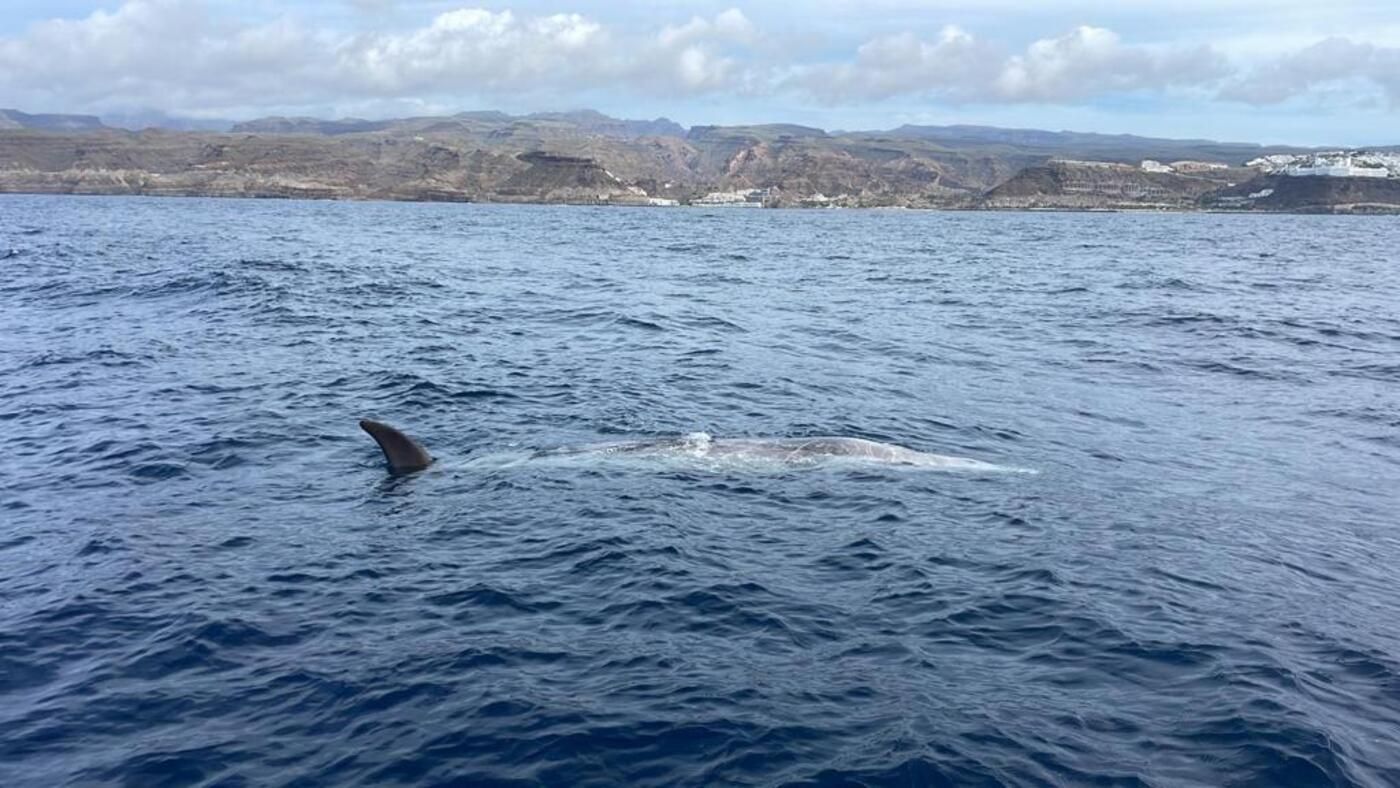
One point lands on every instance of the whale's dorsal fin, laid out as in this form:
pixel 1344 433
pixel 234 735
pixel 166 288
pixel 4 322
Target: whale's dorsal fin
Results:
pixel 402 453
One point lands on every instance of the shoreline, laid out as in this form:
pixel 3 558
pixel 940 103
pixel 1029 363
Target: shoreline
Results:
pixel 1375 211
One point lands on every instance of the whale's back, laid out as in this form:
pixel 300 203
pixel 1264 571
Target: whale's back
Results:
pixel 815 450
pixel 405 455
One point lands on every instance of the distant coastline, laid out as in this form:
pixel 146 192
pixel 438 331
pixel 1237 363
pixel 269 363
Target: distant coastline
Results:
pixel 591 159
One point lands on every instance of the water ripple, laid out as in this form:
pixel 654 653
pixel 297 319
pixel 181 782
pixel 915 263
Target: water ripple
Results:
pixel 211 581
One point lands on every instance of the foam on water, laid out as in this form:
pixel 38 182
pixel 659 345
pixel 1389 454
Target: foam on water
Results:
pixel 698 451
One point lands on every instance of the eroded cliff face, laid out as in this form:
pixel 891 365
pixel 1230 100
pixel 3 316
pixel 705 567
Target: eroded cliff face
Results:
pixel 1281 193
pixel 1062 185
pixel 1071 185
pixel 564 179
pixel 514 164
pixel 162 163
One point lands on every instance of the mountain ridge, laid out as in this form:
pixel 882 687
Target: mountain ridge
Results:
pixel 140 120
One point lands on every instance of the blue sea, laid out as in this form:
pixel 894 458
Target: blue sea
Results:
pixel 208 578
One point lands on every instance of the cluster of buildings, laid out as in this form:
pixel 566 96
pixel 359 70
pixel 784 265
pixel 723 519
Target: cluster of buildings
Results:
pixel 1330 164
pixel 820 200
pixel 747 198
pixel 1333 164
pixel 1182 167
pixel 741 198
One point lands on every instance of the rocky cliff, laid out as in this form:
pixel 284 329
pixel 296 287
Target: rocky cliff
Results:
pixel 1078 185
pixel 590 158
pixel 1281 193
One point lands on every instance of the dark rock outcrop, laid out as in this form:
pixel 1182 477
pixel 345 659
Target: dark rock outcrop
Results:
pixel 555 178
pixel 1077 185
pixel 1310 194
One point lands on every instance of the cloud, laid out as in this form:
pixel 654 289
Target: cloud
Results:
pixel 1333 61
pixel 175 54
pixel 1084 63
pixel 1090 61
pixel 473 50
pixel 202 57
pixel 955 63
pixel 159 52
pixel 701 55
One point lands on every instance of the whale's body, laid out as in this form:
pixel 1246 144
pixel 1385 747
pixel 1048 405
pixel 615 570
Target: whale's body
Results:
pixel 781 451
pixel 405 455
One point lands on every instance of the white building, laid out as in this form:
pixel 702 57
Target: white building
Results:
pixel 1151 165
pixel 748 198
pixel 1198 166
pixel 1337 171
pixel 1333 164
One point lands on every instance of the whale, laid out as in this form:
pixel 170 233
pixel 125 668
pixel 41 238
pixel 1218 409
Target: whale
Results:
pixel 405 455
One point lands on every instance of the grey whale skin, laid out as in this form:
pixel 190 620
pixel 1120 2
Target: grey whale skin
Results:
pixel 405 455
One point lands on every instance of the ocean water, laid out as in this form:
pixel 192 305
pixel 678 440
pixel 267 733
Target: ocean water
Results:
pixel 207 577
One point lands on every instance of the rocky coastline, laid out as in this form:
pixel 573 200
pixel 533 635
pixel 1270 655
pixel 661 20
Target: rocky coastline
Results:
pixel 587 158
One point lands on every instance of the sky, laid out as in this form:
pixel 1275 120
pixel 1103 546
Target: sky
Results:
pixel 1283 71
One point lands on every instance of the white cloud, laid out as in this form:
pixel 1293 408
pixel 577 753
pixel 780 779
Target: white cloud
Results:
pixel 729 25
pixel 954 63
pixel 203 57
pixel 473 50
pixel 1090 61
pixel 171 54
pixel 1084 63
pixel 159 52
pixel 699 56
pixel 1357 67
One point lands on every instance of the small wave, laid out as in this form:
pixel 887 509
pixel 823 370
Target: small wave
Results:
pixel 409 389
pixel 237 633
pixel 636 322
pixel 1383 372
pixel 286 266
pixel 1383 416
pixel 1236 369
pixel 691 248
pixel 158 472
pixel 711 321
pixel 1194 319
pixel 18 541
pixel 1168 283
pixel 105 357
